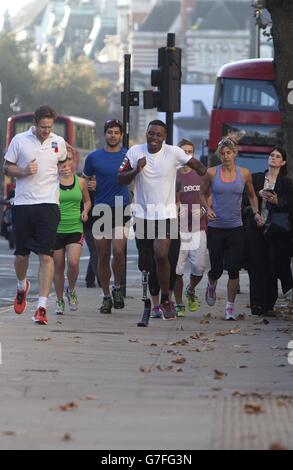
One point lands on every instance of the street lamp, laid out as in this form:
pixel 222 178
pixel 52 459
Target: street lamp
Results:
pixel 259 6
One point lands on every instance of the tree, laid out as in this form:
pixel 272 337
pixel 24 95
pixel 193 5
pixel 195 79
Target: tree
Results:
pixel 282 19
pixel 16 80
pixel 73 89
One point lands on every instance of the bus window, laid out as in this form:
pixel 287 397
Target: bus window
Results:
pixel 249 94
pixel 84 136
pixel 256 135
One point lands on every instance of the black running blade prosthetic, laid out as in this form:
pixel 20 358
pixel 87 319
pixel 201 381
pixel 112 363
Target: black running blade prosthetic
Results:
pixel 146 313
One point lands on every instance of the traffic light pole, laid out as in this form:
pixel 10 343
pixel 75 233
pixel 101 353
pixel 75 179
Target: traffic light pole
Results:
pixel 126 115
pixel 126 102
pixel 128 98
pixel 169 124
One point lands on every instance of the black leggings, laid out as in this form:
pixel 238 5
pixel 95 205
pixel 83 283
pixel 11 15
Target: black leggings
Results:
pixel 226 250
pixel 146 262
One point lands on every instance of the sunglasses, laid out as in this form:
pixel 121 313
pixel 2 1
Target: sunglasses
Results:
pixel 113 121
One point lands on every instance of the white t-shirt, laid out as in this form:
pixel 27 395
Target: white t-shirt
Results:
pixel 154 186
pixel 43 187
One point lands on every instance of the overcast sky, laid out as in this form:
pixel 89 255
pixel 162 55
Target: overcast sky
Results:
pixel 12 6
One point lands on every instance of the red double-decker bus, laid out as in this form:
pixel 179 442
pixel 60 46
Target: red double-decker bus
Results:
pixel 246 108
pixel 78 132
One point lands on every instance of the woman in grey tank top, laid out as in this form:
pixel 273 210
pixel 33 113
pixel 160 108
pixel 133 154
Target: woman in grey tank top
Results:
pixel 225 184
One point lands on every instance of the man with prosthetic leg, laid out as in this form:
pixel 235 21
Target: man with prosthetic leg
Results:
pixel 153 167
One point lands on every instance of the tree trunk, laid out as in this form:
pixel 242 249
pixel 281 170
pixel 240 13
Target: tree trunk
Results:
pixel 282 31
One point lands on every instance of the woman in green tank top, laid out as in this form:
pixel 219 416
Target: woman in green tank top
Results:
pixel 69 237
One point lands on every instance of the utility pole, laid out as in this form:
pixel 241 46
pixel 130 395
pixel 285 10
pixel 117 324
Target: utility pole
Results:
pixel 259 6
pixel 128 98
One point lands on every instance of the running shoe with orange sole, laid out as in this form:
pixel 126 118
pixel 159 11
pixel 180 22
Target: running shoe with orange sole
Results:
pixel 40 316
pixel 20 299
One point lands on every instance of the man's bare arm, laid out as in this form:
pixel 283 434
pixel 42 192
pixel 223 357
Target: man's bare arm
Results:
pixel 126 177
pixel 11 169
pixel 197 166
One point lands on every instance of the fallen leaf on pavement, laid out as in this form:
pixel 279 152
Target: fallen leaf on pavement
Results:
pixel 147 370
pixel 218 374
pixel 179 360
pixel 163 369
pixel 222 333
pixel 68 406
pixel 88 398
pixel 181 342
pixel 252 409
pixel 234 331
pixel 197 335
pixel 134 340
pixel 42 339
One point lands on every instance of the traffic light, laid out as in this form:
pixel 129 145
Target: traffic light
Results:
pixel 167 78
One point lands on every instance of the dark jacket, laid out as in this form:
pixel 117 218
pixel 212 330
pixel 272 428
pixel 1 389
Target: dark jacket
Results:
pixel 279 247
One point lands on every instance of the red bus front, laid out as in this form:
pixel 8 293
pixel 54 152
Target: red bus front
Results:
pixel 246 108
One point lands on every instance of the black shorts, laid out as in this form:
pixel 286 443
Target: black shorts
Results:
pixel 112 219
pixel 35 228
pixel 226 250
pixel 63 239
pixel 156 229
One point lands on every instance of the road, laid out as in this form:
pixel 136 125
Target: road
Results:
pixel 7 275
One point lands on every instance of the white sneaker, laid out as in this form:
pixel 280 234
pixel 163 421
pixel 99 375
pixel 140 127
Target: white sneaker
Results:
pixel 72 299
pixel 60 307
pixel 229 313
pixel 211 294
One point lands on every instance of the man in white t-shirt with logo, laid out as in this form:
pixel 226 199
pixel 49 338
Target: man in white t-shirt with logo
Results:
pixel 154 166
pixel 31 159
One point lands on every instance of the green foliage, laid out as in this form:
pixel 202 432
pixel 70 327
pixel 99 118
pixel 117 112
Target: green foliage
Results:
pixel 72 88
pixel 16 80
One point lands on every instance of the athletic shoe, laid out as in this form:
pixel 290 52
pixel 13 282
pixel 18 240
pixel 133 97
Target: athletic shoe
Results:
pixel 180 310
pixel 60 307
pixel 156 312
pixel 229 313
pixel 72 299
pixel 211 294
pixel 107 305
pixel 192 300
pixel 257 310
pixel 118 299
pixel 40 316
pixel 169 312
pixel 20 299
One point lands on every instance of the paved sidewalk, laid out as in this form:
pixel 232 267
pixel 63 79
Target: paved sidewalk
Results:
pixel 92 381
